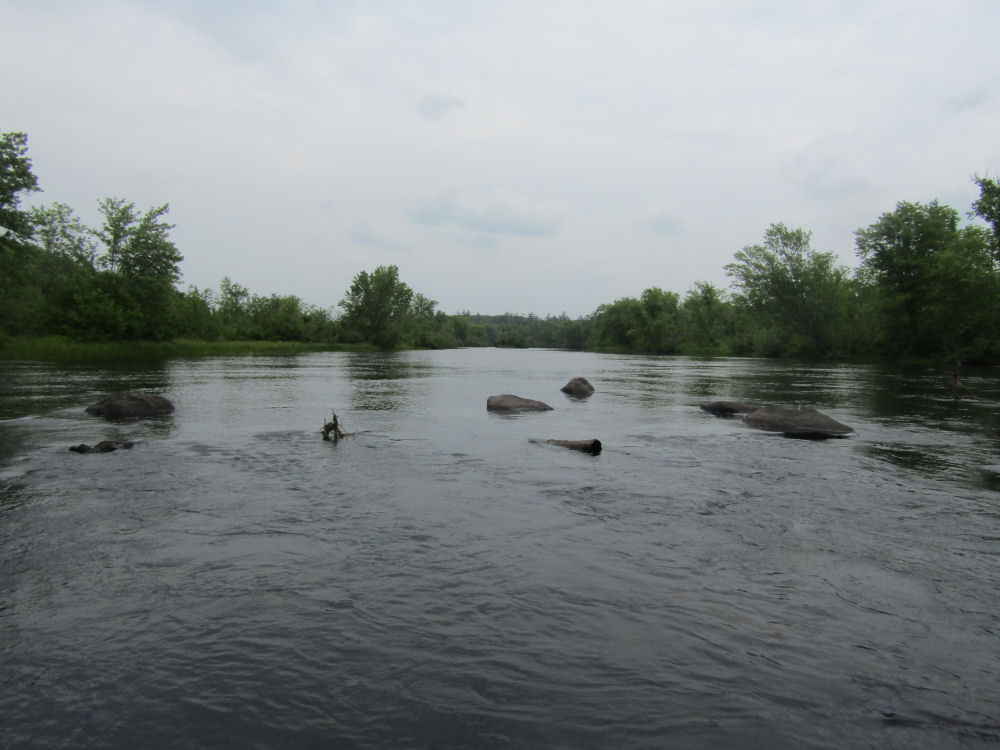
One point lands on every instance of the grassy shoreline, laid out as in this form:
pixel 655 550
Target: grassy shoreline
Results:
pixel 61 349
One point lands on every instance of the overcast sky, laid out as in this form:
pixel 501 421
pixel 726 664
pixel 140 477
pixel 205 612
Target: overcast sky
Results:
pixel 531 156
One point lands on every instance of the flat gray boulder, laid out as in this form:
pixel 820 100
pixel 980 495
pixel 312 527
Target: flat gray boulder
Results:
pixel 506 402
pixel 131 405
pixel 729 407
pixel 796 421
pixel 579 387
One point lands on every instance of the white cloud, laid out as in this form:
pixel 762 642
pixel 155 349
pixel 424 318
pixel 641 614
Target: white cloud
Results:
pixel 299 143
pixel 498 213
pixel 437 106
pixel 361 231
pixel 662 221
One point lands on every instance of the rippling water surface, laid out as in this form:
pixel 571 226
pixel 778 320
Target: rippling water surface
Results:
pixel 438 580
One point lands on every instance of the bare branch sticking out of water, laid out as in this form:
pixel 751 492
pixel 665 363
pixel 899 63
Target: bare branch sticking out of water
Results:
pixel 333 428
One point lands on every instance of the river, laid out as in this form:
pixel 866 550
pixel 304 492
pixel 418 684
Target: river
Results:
pixel 438 580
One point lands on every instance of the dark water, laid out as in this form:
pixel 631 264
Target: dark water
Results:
pixel 440 581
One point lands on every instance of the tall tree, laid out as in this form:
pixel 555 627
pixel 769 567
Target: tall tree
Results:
pixel 706 318
pixel 16 178
pixel 660 333
pixel 377 306
pixel 138 246
pixel 619 325
pixel 59 232
pixel 143 264
pixel 934 280
pixel 21 298
pixel 987 207
pixel 798 291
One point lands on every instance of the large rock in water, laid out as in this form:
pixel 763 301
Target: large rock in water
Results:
pixel 131 405
pixel 579 387
pixel 728 408
pixel 508 403
pixel 796 421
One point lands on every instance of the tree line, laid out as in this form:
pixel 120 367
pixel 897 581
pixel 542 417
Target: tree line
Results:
pixel 927 285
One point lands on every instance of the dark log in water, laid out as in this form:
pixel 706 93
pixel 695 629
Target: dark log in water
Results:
pixel 592 446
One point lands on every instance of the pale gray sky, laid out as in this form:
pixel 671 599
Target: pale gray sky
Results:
pixel 529 156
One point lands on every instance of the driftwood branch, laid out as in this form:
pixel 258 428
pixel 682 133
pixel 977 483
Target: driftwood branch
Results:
pixel 333 428
pixel 958 388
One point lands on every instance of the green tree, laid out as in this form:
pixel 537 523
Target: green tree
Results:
pixel 377 306
pixel 618 326
pixel 138 246
pixel 16 178
pixel 142 263
pixel 961 315
pixel 706 321
pixel 934 281
pixel 659 332
pixel 987 207
pixel 22 303
pixel 67 257
pixel 799 294
pixel 277 318
pixel 195 314
pixel 58 232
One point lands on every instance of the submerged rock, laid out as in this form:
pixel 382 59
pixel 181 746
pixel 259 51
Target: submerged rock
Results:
pixel 579 387
pixel 729 407
pixel 510 403
pixel 131 405
pixel 105 446
pixel 796 421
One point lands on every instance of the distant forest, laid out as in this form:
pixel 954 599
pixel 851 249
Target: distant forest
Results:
pixel 927 286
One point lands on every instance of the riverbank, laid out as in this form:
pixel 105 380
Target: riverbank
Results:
pixel 61 349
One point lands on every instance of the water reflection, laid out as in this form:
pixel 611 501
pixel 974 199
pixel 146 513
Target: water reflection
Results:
pixel 378 378
pixel 384 366
pixel 32 389
pixel 910 457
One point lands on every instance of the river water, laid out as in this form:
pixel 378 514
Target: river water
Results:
pixel 439 580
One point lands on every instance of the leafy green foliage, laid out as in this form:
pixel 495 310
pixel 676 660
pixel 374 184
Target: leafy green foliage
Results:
pixel 16 178
pixel 926 286
pixel 798 293
pixel 138 247
pixel 58 232
pixel 377 306
pixel 22 300
pixel 707 321
pixel 935 283
pixel 987 207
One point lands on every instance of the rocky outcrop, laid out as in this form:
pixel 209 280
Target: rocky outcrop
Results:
pixel 579 387
pixel 729 407
pixel 131 405
pixel 506 402
pixel 796 421
pixel 105 446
